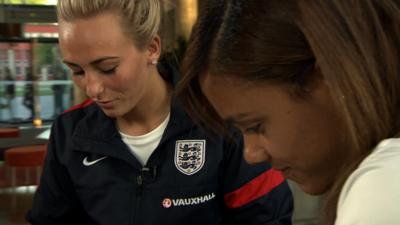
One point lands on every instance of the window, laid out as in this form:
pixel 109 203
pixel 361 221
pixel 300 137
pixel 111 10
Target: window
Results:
pixel 32 89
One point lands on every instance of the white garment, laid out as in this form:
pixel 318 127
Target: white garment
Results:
pixel 142 146
pixel 371 195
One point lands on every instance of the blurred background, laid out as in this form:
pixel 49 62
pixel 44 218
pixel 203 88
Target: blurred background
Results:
pixel 35 87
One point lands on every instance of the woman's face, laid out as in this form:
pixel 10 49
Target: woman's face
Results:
pixel 105 62
pixel 303 138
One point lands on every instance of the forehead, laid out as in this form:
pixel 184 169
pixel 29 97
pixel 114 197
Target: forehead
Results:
pixel 230 95
pixel 104 26
pixel 219 84
pixel 93 36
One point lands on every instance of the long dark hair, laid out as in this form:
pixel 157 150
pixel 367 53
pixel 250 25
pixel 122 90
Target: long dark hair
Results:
pixel 354 44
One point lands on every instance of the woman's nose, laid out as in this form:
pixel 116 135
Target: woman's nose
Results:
pixel 254 149
pixel 94 86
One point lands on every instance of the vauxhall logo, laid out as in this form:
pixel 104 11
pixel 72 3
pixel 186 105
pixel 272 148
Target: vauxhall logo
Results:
pixel 167 202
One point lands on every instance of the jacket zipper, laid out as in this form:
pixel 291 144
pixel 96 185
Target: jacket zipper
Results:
pixel 139 192
pixel 144 171
pixel 139 182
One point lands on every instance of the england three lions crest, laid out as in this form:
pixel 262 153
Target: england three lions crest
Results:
pixel 190 155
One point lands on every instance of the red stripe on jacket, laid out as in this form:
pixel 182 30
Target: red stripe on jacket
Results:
pixel 254 189
pixel 81 105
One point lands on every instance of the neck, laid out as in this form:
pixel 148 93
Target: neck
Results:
pixel 150 111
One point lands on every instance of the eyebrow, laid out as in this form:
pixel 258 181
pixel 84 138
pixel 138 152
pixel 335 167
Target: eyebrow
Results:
pixel 94 62
pixel 244 119
pixel 238 119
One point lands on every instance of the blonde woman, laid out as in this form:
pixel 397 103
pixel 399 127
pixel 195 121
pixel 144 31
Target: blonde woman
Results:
pixel 130 154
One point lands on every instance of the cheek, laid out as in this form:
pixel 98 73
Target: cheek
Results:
pixel 291 139
pixel 125 82
pixel 131 74
pixel 80 82
pixel 306 145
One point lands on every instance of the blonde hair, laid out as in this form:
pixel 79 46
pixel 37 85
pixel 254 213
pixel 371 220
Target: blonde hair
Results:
pixel 140 19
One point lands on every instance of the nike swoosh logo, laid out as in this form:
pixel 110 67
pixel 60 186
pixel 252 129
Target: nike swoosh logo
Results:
pixel 89 163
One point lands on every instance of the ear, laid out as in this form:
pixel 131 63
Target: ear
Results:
pixel 154 49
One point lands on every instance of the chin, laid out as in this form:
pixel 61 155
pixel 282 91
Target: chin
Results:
pixel 313 189
pixel 111 113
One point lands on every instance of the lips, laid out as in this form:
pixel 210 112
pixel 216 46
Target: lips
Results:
pixel 106 104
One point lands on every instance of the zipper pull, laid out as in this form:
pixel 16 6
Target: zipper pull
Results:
pixel 139 180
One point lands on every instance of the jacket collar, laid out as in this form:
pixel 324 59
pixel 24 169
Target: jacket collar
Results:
pixel 97 134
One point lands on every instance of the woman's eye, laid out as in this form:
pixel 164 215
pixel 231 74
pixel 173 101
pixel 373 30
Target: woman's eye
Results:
pixel 254 129
pixel 78 73
pixel 110 71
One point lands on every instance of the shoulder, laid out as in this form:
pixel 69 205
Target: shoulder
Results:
pixel 72 116
pixel 372 192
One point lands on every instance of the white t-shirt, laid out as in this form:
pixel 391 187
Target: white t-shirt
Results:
pixel 371 195
pixel 142 146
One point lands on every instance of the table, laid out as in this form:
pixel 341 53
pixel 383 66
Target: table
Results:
pixel 9 132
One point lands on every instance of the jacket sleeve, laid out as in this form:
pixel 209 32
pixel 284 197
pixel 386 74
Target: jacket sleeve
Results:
pixel 253 194
pixel 55 201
